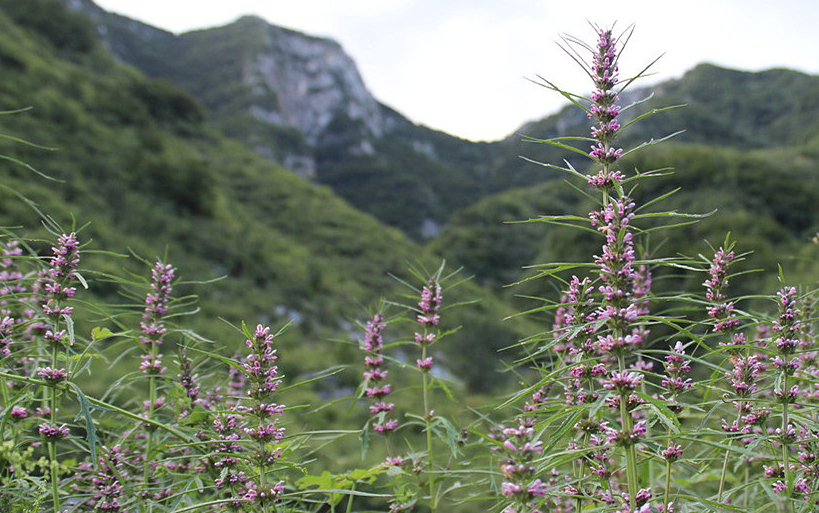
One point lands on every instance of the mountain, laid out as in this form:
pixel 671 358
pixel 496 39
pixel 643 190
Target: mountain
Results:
pixel 144 154
pixel 137 162
pixel 300 101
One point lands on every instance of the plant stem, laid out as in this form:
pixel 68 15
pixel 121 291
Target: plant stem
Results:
pixel 428 421
pixel 667 484
pixel 350 499
pixel 785 446
pixel 631 454
pixel 52 445
pixel 149 446
pixel 579 500
pixel 262 473
pixel 55 492
pixel 725 467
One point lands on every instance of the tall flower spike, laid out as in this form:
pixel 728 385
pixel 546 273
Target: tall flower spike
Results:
pixel 616 270
pixel 604 111
pixel 521 488
pixel 56 286
pixel 152 324
pixel 429 307
pixel 375 375
pixel 721 310
pixel 263 381
pixel 788 326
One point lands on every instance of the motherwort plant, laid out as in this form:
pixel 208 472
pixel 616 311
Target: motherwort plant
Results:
pixel 602 324
pixel 655 402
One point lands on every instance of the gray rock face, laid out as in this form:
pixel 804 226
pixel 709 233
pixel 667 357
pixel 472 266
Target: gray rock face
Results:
pixel 314 80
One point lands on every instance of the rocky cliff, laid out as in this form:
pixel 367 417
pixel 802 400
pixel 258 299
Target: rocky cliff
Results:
pixel 288 82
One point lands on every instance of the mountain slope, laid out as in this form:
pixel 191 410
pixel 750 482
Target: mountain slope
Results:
pixel 300 101
pixel 138 163
pixel 765 198
pixel 723 107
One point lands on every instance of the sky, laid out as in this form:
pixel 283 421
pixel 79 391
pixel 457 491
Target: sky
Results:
pixel 466 66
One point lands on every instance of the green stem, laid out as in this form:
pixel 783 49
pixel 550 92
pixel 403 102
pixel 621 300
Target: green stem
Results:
pixel 52 445
pixel 4 389
pixel 350 499
pixel 667 485
pixel 149 446
pixel 785 446
pixel 428 420
pixel 631 454
pixel 55 492
pixel 579 500
pixel 725 467
pixel 262 474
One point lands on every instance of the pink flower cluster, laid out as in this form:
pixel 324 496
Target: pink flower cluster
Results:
pixel 721 310
pixel 604 111
pixel 256 424
pixel 428 316
pixel 152 324
pixel 56 286
pixel 374 375
pixel 520 486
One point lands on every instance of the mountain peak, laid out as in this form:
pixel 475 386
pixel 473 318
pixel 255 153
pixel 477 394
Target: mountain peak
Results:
pixel 315 82
pixel 250 67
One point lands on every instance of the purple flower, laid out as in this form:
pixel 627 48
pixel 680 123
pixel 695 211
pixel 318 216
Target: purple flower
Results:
pixel 672 453
pixel 374 375
pixel 152 365
pixel 263 496
pixel 156 304
pixel 604 111
pixel 102 484
pixel 265 432
pixel 431 298
pixel 386 427
pixel 425 364
pixel 18 413
pixel 373 334
pixel 53 432
pixel 623 381
pixel 396 461
pixel 52 376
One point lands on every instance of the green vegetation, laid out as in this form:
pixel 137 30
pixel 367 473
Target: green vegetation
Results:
pixel 138 160
pixel 135 161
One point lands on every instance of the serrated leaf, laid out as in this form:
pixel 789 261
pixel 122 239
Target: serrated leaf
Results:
pixel 451 434
pixel 69 327
pixel 90 429
pixel 101 333
pixel 666 416
pixel 197 415
pixel 367 475
pixel 365 440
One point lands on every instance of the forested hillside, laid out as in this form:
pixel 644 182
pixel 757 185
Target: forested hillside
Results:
pixel 143 159
pixel 135 164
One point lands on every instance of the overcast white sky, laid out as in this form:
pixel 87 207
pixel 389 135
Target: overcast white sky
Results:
pixel 460 65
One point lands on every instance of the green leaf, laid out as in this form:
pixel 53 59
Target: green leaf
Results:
pixel 90 429
pixel 662 411
pixel 69 327
pixel 451 434
pixel 223 359
pixel 365 440
pixel 101 333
